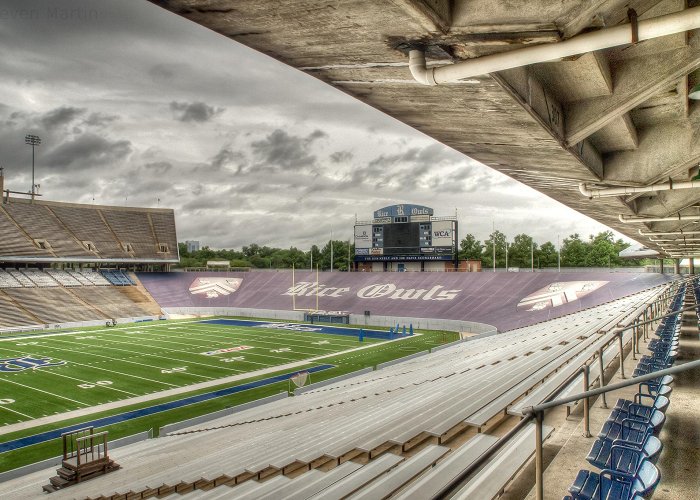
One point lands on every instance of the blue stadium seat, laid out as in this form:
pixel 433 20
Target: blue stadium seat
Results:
pixel 613 485
pixel 622 455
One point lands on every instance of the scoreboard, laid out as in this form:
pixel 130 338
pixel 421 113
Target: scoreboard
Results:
pixel 406 232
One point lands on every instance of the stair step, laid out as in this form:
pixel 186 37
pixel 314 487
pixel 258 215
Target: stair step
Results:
pixel 58 482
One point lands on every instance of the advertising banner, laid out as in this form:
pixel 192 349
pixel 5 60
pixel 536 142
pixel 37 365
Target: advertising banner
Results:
pixel 363 236
pixel 443 233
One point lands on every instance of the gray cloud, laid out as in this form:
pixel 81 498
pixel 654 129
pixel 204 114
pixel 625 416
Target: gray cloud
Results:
pixel 194 111
pixel 286 152
pixel 87 151
pixel 341 157
pixel 61 116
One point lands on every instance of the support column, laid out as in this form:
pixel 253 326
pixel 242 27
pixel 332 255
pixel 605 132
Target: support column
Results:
pixel 691 265
pixel 661 265
pixel 676 266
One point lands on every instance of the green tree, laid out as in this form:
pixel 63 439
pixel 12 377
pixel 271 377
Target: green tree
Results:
pixel 520 252
pixel 470 248
pixel 574 251
pixel 497 239
pixel 547 255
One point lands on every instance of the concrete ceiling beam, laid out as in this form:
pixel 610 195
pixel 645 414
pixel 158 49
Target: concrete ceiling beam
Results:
pixel 635 81
pixel 664 150
pixel 433 15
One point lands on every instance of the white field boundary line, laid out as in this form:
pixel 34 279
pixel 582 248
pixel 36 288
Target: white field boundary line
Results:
pixel 179 390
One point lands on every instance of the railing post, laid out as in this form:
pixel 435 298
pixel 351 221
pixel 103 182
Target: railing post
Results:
pixel 539 461
pixel 634 339
pixel 586 404
pixel 602 375
pixel 622 356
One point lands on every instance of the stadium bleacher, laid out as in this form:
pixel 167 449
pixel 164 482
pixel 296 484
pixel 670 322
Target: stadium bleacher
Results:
pixel 380 416
pixel 44 231
pixel 53 296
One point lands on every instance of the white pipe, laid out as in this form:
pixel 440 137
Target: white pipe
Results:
pixel 630 219
pixel 686 20
pixel 670 240
pixel 665 233
pixel 621 191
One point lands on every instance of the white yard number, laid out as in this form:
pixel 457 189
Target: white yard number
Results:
pixel 6 401
pixel 174 370
pixel 29 343
pixel 231 360
pixel 86 337
pixel 96 384
pixel 284 349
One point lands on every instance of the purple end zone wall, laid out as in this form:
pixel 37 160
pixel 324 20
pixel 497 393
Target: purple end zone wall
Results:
pixel 491 298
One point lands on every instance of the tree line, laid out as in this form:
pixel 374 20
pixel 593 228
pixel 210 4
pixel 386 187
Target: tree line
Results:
pixel 601 250
pixel 264 257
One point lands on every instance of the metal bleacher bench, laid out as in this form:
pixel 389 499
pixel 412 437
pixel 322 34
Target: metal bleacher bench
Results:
pixel 491 478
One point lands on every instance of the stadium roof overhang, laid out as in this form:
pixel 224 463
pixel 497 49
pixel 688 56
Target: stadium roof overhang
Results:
pixel 609 132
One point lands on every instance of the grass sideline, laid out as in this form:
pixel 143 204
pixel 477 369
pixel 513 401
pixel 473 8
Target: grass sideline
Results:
pixel 345 362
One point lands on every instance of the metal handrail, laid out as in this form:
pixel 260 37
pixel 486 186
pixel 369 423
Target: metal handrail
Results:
pixel 538 415
pixel 537 411
pixel 616 333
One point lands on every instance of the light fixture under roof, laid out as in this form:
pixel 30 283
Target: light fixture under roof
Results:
pixel 695 92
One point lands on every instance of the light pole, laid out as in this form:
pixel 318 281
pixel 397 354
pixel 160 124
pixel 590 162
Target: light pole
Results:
pixel 32 140
pixel 558 254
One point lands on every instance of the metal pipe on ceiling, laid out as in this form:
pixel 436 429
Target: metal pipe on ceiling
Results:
pixel 631 219
pixel 666 233
pixel 678 22
pixel 670 240
pixel 621 191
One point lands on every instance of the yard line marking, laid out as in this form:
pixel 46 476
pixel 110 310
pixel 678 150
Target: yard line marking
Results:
pixel 143 354
pixel 45 392
pixel 111 371
pixel 88 382
pixel 278 333
pixel 17 412
pixel 238 336
pixel 276 340
pixel 242 335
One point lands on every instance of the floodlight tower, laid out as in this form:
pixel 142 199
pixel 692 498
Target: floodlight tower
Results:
pixel 32 140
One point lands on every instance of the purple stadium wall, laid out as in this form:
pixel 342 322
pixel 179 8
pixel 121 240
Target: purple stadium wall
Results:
pixel 491 298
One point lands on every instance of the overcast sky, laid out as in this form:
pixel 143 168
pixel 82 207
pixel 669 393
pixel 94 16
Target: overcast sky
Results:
pixel 134 104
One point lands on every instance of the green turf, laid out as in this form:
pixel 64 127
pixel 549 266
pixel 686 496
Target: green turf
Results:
pixel 140 359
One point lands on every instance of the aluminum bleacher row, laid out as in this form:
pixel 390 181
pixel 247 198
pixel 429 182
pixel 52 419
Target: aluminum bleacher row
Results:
pixel 627 447
pixel 378 417
pixel 47 230
pixel 53 296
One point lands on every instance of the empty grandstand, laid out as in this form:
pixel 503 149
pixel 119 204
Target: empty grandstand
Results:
pixel 65 263
pixel 52 232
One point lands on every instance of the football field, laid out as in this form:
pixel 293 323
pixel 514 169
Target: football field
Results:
pixel 47 374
